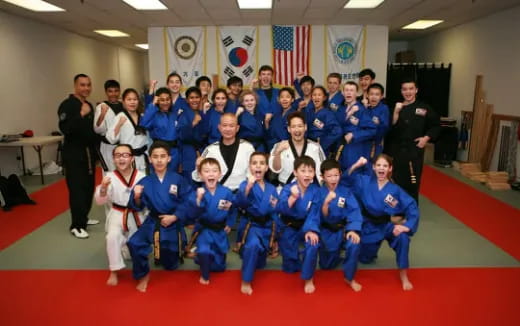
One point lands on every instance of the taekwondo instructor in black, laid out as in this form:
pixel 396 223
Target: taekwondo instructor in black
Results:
pixel 76 122
pixel 414 124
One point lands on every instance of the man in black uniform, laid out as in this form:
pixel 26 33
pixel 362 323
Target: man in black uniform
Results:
pixel 414 124
pixel 76 122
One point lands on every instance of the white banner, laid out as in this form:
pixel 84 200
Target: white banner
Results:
pixel 237 53
pixel 344 50
pixel 186 48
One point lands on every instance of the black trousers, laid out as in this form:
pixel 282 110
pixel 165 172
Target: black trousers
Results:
pixel 80 177
pixel 402 173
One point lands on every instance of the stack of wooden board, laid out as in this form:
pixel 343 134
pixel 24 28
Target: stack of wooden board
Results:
pixel 493 180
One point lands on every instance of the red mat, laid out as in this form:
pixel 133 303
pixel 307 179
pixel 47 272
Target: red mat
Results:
pixel 477 296
pixel 50 201
pixel 496 221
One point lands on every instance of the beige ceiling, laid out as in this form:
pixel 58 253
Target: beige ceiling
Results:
pixel 83 16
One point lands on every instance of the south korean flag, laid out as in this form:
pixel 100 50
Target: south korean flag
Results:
pixel 237 53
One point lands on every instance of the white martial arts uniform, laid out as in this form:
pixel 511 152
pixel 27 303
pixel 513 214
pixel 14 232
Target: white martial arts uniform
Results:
pixel 240 169
pixel 287 158
pixel 127 136
pixel 119 230
pixel 105 149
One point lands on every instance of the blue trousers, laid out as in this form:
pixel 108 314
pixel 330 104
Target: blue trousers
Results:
pixel 330 259
pixel 254 251
pixel 295 259
pixel 212 247
pixel 140 246
pixel 372 237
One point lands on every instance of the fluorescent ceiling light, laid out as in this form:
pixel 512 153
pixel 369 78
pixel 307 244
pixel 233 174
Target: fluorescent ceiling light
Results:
pixel 255 4
pixel 111 33
pixel 35 5
pixel 422 24
pixel 142 46
pixel 363 4
pixel 146 4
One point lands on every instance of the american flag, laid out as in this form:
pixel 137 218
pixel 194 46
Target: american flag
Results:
pixel 291 52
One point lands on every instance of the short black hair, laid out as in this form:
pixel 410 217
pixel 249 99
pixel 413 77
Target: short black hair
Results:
pixel 122 145
pixel 235 80
pixel 305 161
pixel 288 90
pixel 367 72
pixel 307 79
pixel 378 86
pixel 408 79
pixel 201 79
pixel 80 76
pixel 265 68
pixel 257 153
pixel 162 90
pixel 193 89
pixel 111 83
pixel 329 164
pixel 322 89
pixel 159 144
pixel 295 115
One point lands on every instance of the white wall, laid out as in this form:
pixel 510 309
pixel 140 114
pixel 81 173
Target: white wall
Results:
pixel 395 47
pixel 376 51
pixel 489 46
pixel 38 63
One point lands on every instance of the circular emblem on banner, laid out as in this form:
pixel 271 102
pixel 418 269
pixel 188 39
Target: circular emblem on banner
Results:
pixel 185 47
pixel 238 57
pixel 345 50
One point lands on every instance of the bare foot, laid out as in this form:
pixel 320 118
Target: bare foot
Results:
pixel 143 283
pixel 407 285
pixel 309 287
pixel 354 285
pixel 112 279
pixel 203 281
pixel 246 288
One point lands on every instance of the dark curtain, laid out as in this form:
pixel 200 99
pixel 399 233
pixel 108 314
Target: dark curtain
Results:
pixel 433 82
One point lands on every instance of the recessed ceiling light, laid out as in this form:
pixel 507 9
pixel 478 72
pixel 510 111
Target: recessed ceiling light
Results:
pixel 363 4
pixel 142 46
pixel 422 24
pixel 146 4
pixel 35 5
pixel 255 4
pixel 111 33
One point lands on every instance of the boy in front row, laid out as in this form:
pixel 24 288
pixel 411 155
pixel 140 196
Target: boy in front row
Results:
pixel 215 214
pixel 299 209
pixel 341 223
pixel 164 193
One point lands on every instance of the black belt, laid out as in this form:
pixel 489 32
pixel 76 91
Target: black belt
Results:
pixel 105 140
pixel 213 226
pixel 139 151
pixel 256 219
pixel 376 219
pixel 193 143
pixel 334 227
pixel 171 143
pixel 292 222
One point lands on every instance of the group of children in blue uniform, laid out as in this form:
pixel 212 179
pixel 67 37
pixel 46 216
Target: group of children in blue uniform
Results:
pixel 354 210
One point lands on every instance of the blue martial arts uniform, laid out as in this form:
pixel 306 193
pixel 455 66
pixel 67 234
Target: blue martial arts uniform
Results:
pixel 259 208
pixel 268 106
pixel 295 222
pixel 363 130
pixel 323 127
pixel 377 207
pixel 191 140
pixel 232 106
pixel 335 102
pixel 159 197
pixel 252 129
pixel 278 128
pixel 380 117
pixel 161 126
pixel 212 120
pixel 216 211
pixel 344 216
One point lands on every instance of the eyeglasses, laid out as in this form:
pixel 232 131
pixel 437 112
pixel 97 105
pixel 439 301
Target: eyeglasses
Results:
pixel 123 155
